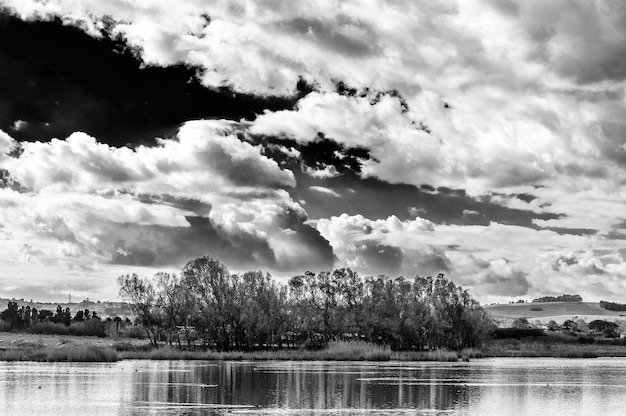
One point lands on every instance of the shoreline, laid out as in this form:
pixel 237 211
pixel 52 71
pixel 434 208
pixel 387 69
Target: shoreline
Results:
pixel 52 348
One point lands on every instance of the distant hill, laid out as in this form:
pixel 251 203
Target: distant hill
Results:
pixel 557 311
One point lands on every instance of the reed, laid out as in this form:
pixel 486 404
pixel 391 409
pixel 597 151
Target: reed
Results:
pixel 433 355
pixel 73 353
pixel 335 351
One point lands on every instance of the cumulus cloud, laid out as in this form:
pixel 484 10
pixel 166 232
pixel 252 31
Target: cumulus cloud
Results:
pixel 521 98
pixel 367 245
pixel 495 261
pixel 86 204
pixel 521 88
pixel 205 156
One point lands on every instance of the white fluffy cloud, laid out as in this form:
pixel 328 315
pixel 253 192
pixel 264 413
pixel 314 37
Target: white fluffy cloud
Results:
pixel 205 157
pixel 513 94
pixel 501 95
pixel 495 262
pixel 364 245
pixel 82 204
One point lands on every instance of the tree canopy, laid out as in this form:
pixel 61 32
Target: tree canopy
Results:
pixel 252 310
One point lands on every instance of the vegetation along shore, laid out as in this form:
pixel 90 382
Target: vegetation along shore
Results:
pixel 207 313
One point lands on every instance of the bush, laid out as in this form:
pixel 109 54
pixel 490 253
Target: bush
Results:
pixel 586 340
pixel 4 326
pixel 49 328
pixel 612 306
pixel 128 346
pixel 91 327
pixel 515 333
pixel 133 331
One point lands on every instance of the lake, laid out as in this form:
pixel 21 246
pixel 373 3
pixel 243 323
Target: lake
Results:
pixel 502 386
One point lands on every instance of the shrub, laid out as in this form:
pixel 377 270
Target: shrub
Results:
pixel 4 326
pixel 515 333
pixel 575 354
pixel 91 327
pixel 128 346
pixel 586 340
pixel 49 328
pixel 133 331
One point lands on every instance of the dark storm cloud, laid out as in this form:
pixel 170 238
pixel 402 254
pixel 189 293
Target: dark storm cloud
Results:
pixel 56 79
pixel 382 259
pixel 378 199
pixel 154 245
pixel 514 284
pixel 375 198
pixel 572 231
pixel 159 246
pixel 319 252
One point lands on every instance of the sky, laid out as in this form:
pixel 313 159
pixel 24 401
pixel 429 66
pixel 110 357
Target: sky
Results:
pixel 485 140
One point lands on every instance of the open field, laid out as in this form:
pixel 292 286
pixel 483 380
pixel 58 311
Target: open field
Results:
pixel 557 311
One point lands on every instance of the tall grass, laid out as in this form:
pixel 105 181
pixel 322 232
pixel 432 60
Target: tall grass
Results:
pixel 92 327
pixel 335 351
pixel 433 355
pixel 355 351
pixel 74 353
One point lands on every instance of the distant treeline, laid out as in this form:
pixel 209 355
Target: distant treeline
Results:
pixel 612 306
pixel 560 298
pixel 84 322
pixel 227 311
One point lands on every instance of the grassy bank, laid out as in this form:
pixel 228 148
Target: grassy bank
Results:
pixel 83 353
pixel 336 351
pixel 551 346
pixel 94 350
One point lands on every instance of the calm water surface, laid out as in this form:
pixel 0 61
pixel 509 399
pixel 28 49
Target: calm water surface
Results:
pixel 482 387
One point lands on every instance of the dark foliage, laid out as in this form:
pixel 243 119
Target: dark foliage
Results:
pixel 251 311
pixel 560 298
pixel 612 306
pixel 516 333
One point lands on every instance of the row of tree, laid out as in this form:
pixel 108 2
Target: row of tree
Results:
pixel 560 298
pixel 251 310
pixel 612 306
pixel 23 317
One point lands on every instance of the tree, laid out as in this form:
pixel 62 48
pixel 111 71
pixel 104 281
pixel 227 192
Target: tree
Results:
pixel 521 323
pixel 252 311
pixel 214 293
pixel 79 316
pixel 177 305
pixel 582 325
pixel 141 295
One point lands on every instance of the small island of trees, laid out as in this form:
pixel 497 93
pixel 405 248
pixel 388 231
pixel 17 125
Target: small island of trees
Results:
pixel 224 311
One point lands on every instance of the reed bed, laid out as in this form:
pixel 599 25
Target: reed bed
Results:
pixel 335 351
pixel 65 353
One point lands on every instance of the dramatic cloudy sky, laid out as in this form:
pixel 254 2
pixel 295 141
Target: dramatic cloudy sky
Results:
pixel 482 139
